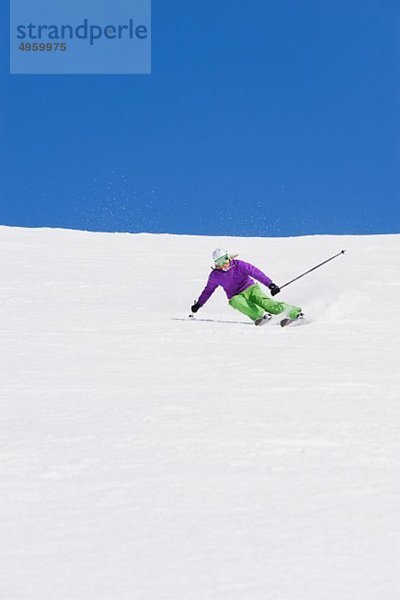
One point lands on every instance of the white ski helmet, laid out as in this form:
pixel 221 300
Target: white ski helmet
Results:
pixel 220 256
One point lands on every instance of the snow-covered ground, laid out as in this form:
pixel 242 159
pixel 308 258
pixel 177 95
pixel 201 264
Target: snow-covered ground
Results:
pixel 145 457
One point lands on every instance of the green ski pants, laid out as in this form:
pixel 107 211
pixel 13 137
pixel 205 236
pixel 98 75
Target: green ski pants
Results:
pixel 254 303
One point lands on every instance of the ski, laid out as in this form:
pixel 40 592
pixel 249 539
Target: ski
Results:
pixel 193 319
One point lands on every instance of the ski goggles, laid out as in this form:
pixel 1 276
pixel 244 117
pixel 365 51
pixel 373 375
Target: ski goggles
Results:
pixel 221 262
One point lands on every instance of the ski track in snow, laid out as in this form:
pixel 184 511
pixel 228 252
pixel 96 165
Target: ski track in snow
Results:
pixel 144 456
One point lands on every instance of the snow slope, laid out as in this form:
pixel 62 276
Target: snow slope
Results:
pixel 150 458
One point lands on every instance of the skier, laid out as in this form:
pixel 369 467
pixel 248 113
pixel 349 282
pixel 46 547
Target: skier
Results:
pixel 243 293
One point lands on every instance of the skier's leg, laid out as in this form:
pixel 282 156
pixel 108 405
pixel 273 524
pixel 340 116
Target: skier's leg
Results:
pixel 245 306
pixel 272 306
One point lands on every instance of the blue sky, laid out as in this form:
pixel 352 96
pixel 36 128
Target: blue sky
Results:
pixel 261 118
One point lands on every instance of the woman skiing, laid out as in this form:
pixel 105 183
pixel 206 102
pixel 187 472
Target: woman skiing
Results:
pixel 235 276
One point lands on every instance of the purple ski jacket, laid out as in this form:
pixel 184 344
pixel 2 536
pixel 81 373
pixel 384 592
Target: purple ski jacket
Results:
pixel 234 281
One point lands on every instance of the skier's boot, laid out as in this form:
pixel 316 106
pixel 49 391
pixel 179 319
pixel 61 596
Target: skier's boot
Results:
pixel 294 313
pixel 292 318
pixel 262 320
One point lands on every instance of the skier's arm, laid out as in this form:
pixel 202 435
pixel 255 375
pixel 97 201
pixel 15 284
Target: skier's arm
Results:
pixel 260 276
pixel 208 290
pixel 254 272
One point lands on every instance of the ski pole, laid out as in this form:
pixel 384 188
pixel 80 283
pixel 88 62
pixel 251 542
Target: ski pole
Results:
pixel 313 269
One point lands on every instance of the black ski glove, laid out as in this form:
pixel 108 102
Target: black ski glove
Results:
pixel 275 289
pixel 195 307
